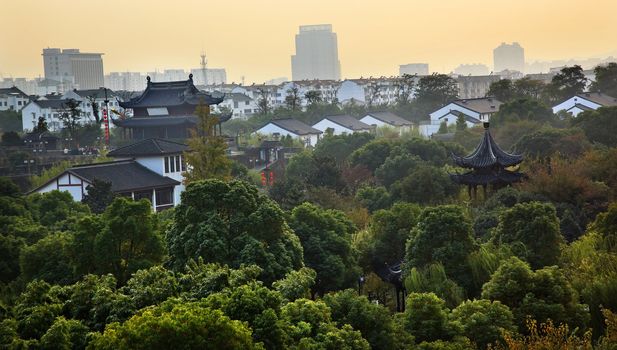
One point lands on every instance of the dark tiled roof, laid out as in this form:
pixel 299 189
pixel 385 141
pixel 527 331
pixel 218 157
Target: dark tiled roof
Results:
pixel 236 96
pixel 123 176
pixel 154 122
pixel 390 118
pixel 487 154
pixel 171 93
pixel 599 98
pixel 295 126
pixel 480 105
pixel 348 122
pixel 499 177
pixel 13 91
pixel 582 107
pixel 53 104
pixel 149 147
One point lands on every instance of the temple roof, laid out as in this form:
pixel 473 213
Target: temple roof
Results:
pixel 501 177
pixel 154 122
pixel 149 147
pixel 171 93
pixel 487 154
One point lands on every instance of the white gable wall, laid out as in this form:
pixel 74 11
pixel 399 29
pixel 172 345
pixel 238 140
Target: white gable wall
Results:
pixel 370 120
pixel 72 184
pixel 350 90
pixel 571 102
pixel 271 129
pixel 325 124
pixel 435 116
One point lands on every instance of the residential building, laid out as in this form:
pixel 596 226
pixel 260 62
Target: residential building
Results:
pixel 241 105
pixel 387 119
pixel 150 169
pixel 73 68
pixel 471 69
pixel 509 57
pixel 125 81
pixel 475 86
pixel 584 102
pixel 213 76
pixel 13 99
pixel 277 128
pixel 316 54
pixel 50 110
pixel 413 69
pixel 341 124
pixel 474 110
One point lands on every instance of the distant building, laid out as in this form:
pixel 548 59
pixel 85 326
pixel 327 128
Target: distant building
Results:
pixel 125 81
pixel 13 99
pixel 241 105
pixel 471 69
pixel 509 57
pixel 213 76
pixel 413 68
pixel 474 111
pixel 584 102
pixel 150 169
pixel 388 119
pixel 50 110
pixel 475 86
pixel 74 69
pixel 316 54
pixel 342 124
pixel 294 128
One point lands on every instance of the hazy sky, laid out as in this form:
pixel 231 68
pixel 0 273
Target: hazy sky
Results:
pixel 255 38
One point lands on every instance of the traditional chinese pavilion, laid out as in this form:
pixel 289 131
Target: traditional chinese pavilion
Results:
pixel 165 110
pixel 489 166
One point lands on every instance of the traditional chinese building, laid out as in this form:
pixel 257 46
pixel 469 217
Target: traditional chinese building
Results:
pixel 489 165
pixel 165 110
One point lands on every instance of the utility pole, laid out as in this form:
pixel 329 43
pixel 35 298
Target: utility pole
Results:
pixel 106 118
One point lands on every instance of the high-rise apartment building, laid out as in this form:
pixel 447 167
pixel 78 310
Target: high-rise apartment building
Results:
pixel 413 69
pixel 73 69
pixel 316 54
pixel 509 57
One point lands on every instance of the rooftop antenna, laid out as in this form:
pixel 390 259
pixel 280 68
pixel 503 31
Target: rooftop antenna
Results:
pixel 204 67
pixel 242 80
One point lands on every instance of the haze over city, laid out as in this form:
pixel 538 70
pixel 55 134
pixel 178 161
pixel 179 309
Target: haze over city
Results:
pixel 254 40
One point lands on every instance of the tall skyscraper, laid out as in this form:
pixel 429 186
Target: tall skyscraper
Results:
pixel 413 69
pixel 509 56
pixel 74 69
pixel 316 54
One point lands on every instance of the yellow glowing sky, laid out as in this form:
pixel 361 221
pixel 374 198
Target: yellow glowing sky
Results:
pixel 255 38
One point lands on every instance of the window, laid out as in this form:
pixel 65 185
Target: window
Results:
pixel 172 164
pixel 183 164
pixel 235 104
pixel 166 165
pixel 177 163
pixel 246 103
pixel 164 196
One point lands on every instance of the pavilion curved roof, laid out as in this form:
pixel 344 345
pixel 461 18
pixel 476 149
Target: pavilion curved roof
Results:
pixel 487 154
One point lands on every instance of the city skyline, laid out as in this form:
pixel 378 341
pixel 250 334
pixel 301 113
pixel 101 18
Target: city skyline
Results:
pixel 257 42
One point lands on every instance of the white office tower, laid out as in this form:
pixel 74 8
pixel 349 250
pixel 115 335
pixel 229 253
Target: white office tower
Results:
pixel 316 54
pixel 73 69
pixel 509 57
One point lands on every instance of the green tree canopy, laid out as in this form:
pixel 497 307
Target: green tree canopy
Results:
pixel 443 234
pixel 326 238
pixel 98 196
pixel 426 318
pixel 600 125
pixel 232 223
pixel 605 79
pixel 536 226
pixel 484 321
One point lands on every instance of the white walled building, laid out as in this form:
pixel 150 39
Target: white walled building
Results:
pixel 241 105
pixel 13 99
pixel 294 128
pixel 342 124
pixel 49 109
pixel 74 68
pixel 387 119
pixel 584 102
pixel 475 111
pixel 150 169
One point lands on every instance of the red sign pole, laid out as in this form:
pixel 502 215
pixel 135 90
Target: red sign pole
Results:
pixel 106 121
